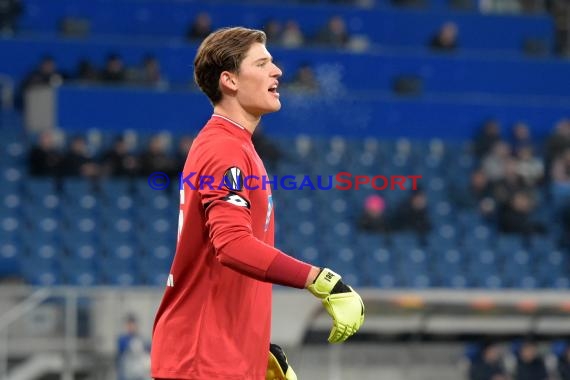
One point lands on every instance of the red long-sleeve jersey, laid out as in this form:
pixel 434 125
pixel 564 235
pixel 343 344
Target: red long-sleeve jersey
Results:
pixel 214 320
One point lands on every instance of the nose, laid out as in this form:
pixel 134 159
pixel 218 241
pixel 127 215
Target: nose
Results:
pixel 276 72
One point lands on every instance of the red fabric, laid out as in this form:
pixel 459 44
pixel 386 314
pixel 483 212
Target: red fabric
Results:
pixel 214 320
pixel 288 271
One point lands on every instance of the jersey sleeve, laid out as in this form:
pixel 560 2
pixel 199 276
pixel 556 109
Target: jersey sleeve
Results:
pixel 228 219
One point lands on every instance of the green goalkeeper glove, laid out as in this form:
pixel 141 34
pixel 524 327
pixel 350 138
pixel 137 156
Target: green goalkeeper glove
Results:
pixel 343 304
pixel 278 367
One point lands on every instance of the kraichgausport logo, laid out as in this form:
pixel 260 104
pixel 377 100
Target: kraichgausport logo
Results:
pixel 235 181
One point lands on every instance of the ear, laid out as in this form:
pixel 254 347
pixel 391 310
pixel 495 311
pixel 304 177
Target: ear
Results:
pixel 228 80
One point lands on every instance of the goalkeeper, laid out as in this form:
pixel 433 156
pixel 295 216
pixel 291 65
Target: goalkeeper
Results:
pixel 214 319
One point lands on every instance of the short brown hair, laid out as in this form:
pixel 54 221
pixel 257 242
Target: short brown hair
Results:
pixel 223 50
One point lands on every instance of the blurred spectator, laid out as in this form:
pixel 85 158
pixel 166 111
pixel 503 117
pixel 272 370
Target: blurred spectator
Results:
pixel 273 31
pixel 500 6
pixel 114 71
pixel 133 357
pixel 478 197
pixel 530 366
pixel 462 5
pixel 532 6
pixel 77 161
pixel 488 365
pixel 184 146
pixel 334 34
pixel 558 141
pixel 494 164
pixel 521 136
pixel 148 74
pixel 560 186
pixel 446 38
pixel 45 74
pixel 529 167
pixel 87 72
pixel 292 36
pixel 373 218
pixel 412 214
pixel 486 138
pixel 44 158
pixel 564 364
pixel 304 80
pixel 117 161
pixel 515 217
pixel 409 3
pixel 200 28
pixel 509 183
pixel 560 10
pixel 267 149
pixel 157 159
pixel 10 10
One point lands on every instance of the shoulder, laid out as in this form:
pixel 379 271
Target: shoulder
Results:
pixel 209 145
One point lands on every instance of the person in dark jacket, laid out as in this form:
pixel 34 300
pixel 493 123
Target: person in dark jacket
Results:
pixel 530 365
pixel 564 364
pixel 412 214
pixel 118 161
pixel 44 158
pixel 488 365
pixel 77 161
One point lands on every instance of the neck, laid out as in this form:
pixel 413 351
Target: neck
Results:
pixel 239 116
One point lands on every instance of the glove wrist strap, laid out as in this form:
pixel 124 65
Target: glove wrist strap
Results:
pixel 324 283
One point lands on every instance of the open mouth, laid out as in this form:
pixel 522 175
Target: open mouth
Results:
pixel 273 89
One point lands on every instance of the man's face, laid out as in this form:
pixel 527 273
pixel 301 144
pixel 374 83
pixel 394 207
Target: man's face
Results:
pixel 257 82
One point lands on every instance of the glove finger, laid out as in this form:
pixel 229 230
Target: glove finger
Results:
pixel 290 375
pixel 348 332
pixel 333 333
pixel 337 333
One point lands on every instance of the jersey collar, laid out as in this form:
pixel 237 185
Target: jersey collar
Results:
pixel 229 121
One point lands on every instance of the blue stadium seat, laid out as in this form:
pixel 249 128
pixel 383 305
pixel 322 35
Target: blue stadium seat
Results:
pixel 159 205
pixel 527 281
pixel 74 188
pixel 155 269
pixel 367 243
pixel 311 254
pixel 116 270
pixel 42 271
pixel 45 229
pixel 448 268
pixel 405 242
pixel 490 280
pixel 9 189
pixel 474 243
pixel 483 271
pixel 40 218
pixel 9 260
pixel 542 243
pixel 11 227
pixel 436 243
pixel 380 267
pixel 79 218
pixel 517 267
pixel 469 218
pixel 305 232
pixel 37 186
pixel 80 270
pixel 413 269
pixel 87 202
pixel 114 188
pixel 509 243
